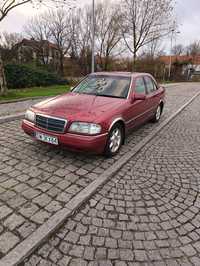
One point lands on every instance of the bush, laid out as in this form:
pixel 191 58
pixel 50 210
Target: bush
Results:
pixel 23 76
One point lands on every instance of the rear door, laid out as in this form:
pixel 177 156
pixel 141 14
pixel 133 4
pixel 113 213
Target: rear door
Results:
pixel 137 109
pixel 153 95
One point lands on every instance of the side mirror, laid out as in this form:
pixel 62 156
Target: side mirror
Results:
pixel 139 96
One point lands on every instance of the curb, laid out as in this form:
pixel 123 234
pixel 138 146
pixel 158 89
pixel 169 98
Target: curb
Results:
pixel 25 99
pixel 171 84
pixel 26 247
pixel 10 118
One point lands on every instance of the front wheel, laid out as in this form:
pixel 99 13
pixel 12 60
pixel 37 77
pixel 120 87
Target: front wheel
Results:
pixel 114 141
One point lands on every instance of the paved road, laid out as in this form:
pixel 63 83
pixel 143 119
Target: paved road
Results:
pixel 36 180
pixel 147 214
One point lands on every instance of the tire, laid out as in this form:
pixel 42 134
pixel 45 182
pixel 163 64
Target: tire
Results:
pixel 114 141
pixel 157 114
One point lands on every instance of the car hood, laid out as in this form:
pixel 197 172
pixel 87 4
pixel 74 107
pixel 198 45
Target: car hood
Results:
pixel 79 106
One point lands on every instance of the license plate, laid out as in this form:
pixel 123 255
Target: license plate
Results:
pixel 46 138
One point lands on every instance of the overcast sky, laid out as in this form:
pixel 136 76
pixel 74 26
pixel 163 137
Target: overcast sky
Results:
pixel 187 11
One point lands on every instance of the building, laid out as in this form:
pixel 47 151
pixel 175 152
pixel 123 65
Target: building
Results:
pixel 189 65
pixel 40 52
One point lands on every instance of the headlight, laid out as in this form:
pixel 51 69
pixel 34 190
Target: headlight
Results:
pixel 85 128
pixel 30 116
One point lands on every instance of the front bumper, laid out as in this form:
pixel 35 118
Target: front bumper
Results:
pixel 94 144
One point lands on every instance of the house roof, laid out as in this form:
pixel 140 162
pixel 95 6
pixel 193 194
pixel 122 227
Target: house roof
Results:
pixel 33 43
pixel 180 58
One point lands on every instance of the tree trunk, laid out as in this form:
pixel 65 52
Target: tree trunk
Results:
pixel 134 61
pixel 61 64
pixel 106 62
pixel 3 85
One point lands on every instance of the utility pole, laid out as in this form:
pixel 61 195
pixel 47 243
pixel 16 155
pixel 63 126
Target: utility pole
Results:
pixel 173 31
pixel 93 35
pixel 170 59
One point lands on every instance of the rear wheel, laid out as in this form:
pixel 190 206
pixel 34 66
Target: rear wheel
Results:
pixel 114 141
pixel 157 114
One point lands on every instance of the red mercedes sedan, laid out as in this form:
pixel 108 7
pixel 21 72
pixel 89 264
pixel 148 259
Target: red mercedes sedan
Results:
pixel 98 113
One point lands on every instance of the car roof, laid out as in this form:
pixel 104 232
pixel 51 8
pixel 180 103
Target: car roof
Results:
pixel 123 74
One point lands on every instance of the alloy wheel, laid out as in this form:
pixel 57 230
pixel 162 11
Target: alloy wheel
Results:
pixel 115 140
pixel 158 113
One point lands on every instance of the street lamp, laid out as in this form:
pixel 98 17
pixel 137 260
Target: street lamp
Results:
pixel 170 59
pixel 93 36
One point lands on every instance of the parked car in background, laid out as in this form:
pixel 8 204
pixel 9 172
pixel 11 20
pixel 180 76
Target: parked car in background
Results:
pixel 98 113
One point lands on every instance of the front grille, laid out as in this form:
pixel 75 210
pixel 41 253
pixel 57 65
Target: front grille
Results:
pixel 50 123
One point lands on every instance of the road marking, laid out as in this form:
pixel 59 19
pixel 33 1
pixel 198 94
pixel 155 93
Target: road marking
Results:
pixel 26 247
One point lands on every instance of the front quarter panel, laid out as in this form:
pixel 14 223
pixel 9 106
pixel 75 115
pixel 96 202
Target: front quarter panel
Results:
pixel 119 114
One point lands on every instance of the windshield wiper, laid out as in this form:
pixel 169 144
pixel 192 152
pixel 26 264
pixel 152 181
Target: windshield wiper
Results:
pixel 107 95
pixel 102 95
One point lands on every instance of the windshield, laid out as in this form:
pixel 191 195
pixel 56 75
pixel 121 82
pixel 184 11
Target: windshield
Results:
pixel 107 86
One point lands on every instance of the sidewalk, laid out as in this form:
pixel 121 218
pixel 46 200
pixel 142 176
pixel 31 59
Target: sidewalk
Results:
pixel 148 214
pixel 16 107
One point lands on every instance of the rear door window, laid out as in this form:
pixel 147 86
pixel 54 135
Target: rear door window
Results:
pixel 140 86
pixel 150 84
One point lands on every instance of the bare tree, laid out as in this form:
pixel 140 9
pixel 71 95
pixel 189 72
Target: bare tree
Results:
pixel 108 38
pixel 178 49
pixel 6 6
pixel 193 49
pixel 9 40
pixel 69 31
pixel 108 32
pixel 36 28
pixel 7 45
pixel 59 26
pixel 76 30
pixel 81 38
pixel 145 21
pixel 53 26
pixel 153 49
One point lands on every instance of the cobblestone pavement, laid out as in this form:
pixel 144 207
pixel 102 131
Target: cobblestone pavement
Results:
pixel 147 214
pixel 37 180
